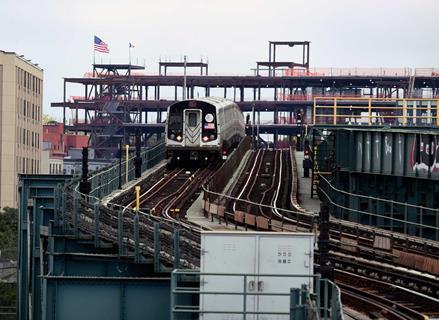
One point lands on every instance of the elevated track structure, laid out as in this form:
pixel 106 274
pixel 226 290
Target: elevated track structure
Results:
pixel 373 145
pixel 138 248
pixel 120 100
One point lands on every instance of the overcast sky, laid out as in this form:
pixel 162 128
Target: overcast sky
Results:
pixel 233 34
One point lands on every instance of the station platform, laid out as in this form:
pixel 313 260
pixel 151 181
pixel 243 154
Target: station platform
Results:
pixel 304 196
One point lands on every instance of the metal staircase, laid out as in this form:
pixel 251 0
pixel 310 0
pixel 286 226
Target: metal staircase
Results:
pixel 110 131
pixel 411 86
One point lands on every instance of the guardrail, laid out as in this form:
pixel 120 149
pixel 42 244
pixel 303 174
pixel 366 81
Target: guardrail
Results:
pixel 214 205
pixel 349 72
pixel 311 72
pixel 106 180
pixel 136 233
pixel 375 111
pixel 398 215
pixel 324 302
pixel 8 312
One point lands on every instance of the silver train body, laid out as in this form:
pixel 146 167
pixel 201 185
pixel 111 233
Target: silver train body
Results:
pixel 202 129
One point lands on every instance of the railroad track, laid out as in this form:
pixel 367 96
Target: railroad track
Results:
pixel 380 299
pixel 264 183
pixel 165 215
pixel 162 201
pixel 250 176
pixel 346 237
pixel 352 244
pixel 167 196
pixel 262 191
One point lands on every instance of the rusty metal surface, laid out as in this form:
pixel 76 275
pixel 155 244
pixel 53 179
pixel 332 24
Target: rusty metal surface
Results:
pixel 416 261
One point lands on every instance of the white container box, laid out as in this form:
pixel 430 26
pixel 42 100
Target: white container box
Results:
pixel 256 254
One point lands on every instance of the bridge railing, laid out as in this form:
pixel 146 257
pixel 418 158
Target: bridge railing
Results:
pixel 187 292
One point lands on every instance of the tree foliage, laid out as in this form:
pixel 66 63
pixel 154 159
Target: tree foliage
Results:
pixel 8 249
pixel 9 233
pixel 48 119
pixel 8 293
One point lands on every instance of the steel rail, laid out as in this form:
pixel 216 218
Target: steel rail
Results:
pixel 248 178
pixel 387 296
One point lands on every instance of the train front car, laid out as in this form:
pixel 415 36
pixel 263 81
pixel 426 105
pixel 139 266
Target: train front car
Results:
pixel 201 130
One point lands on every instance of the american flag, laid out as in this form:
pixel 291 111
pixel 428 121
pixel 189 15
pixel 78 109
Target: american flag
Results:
pixel 101 46
pixel 209 125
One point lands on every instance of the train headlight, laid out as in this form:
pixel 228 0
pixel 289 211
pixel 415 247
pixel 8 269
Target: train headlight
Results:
pixel 212 137
pixel 205 138
pixel 208 117
pixel 172 136
pixel 178 138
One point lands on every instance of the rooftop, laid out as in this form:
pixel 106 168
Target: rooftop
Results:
pixel 22 58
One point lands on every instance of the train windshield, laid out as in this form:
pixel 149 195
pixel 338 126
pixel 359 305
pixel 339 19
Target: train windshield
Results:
pixel 175 122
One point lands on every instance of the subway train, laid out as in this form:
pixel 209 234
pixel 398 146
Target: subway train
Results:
pixel 200 130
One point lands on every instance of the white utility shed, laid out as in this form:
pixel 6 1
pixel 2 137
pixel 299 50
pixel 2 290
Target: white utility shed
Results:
pixel 257 254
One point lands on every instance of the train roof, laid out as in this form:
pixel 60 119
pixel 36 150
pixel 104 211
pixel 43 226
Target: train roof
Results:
pixel 217 102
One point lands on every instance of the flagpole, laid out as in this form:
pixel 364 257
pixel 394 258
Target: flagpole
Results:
pixel 129 53
pixel 94 58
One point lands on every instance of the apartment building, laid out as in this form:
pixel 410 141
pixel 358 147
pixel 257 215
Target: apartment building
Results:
pixel 57 146
pixel 21 104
